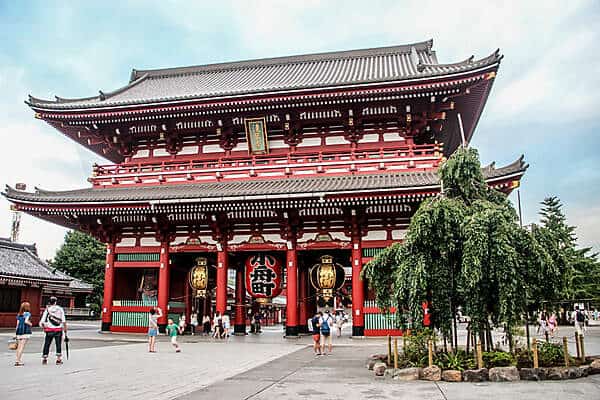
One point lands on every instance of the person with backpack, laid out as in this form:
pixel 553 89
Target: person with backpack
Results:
pixel 54 323
pixel 23 331
pixel 579 320
pixel 325 324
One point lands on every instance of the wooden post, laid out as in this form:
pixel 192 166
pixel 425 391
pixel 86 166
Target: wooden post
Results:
pixel 430 349
pixel 577 345
pixel 582 348
pixel 479 356
pixel 396 353
pixel 566 351
pixel 389 360
pixel 534 349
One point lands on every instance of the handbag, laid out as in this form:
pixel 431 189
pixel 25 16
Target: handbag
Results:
pixel 12 343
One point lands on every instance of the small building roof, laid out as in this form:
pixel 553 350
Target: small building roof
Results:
pixel 310 71
pixel 20 261
pixel 247 190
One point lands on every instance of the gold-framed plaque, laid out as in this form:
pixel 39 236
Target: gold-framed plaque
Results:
pixel 256 135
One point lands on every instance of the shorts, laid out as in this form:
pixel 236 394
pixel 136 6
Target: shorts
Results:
pixel 152 332
pixel 325 339
pixel 316 337
pixel 24 336
pixel 174 339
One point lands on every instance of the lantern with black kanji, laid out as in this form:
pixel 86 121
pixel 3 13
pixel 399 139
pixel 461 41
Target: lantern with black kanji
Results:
pixel 199 277
pixel 327 277
pixel 263 276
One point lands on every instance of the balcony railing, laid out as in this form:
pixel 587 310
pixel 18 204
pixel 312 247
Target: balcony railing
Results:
pixel 399 157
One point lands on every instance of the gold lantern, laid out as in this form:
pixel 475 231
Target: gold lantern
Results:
pixel 327 277
pixel 199 277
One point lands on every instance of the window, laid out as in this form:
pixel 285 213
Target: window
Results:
pixel 10 299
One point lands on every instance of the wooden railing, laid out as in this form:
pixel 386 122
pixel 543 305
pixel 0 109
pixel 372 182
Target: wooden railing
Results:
pixel 407 155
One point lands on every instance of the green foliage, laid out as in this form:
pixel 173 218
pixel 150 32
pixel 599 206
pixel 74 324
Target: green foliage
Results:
pixel 494 359
pixel 83 257
pixel 415 349
pixel 459 361
pixel 523 358
pixel 550 354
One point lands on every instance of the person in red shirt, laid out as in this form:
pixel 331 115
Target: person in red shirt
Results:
pixel 426 314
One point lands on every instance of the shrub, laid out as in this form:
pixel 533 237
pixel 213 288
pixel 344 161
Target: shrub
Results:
pixel 459 361
pixel 524 358
pixel 550 354
pixel 493 359
pixel 415 351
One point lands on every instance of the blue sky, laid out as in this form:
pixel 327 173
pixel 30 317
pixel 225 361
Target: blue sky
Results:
pixel 545 103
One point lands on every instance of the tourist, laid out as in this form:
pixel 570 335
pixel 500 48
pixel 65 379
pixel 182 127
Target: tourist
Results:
pixel 316 333
pixel 53 322
pixel 172 330
pixel 155 314
pixel 23 331
pixel 206 325
pixel 217 325
pixel 193 323
pixel 552 324
pixel 339 323
pixel 579 321
pixel 325 323
pixel 182 324
pixel 543 321
pixel 257 319
pixel 226 325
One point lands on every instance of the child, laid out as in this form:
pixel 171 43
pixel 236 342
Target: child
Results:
pixel 155 314
pixel 172 329
pixel 23 331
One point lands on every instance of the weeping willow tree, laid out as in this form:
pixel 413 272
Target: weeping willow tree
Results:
pixel 463 248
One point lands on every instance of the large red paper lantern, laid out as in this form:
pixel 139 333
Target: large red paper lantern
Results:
pixel 263 276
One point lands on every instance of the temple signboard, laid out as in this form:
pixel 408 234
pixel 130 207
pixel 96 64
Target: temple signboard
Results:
pixel 256 134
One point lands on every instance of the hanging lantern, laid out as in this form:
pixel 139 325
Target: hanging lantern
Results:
pixel 327 277
pixel 263 276
pixel 199 277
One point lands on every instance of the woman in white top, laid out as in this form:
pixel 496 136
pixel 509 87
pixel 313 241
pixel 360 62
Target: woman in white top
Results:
pixel 155 314
pixel 194 322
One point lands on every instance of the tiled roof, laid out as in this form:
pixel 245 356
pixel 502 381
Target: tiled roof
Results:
pixel 21 261
pixel 343 68
pixel 243 190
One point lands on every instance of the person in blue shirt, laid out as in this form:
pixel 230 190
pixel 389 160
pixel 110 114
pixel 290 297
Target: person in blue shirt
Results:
pixel 23 331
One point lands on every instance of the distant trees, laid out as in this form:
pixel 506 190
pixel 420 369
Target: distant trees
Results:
pixel 83 257
pixel 466 248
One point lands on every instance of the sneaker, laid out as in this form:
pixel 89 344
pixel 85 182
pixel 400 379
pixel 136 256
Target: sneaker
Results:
pixel 44 361
pixel 59 362
pixel 178 351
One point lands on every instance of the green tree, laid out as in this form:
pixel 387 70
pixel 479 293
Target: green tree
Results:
pixel 83 257
pixel 585 277
pixel 464 247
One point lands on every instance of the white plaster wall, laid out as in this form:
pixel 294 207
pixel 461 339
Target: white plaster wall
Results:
pixel 149 241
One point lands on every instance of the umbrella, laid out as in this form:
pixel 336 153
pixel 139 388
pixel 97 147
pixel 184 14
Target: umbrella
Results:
pixel 67 346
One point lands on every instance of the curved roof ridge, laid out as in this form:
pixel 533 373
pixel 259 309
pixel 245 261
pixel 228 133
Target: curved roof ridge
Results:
pixel 424 46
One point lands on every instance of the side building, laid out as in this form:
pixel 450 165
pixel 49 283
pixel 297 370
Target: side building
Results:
pixel 26 277
pixel 294 162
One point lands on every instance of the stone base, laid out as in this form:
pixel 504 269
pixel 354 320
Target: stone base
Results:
pixel 239 330
pixel 105 327
pixel 452 375
pixel 433 373
pixel 476 375
pixel 358 331
pixel 291 331
pixel 504 374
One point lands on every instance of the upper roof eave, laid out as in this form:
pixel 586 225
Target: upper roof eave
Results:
pixel 103 101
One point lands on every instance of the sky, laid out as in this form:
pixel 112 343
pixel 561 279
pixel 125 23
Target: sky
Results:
pixel 545 103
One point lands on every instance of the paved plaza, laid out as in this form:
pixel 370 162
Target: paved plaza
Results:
pixel 110 366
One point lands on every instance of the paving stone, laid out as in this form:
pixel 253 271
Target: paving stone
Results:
pixel 504 374
pixel 476 375
pixel 532 374
pixel 408 374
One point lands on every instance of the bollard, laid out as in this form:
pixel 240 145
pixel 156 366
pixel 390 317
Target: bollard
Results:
pixel 577 345
pixel 389 360
pixel 582 348
pixel 396 353
pixel 479 356
pixel 534 349
pixel 430 349
pixel 566 351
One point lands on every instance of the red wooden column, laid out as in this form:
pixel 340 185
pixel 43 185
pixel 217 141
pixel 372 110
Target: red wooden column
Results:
pixel 240 295
pixel 164 278
pixel 303 308
pixel 358 296
pixel 222 266
pixel 291 324
pixel 109 286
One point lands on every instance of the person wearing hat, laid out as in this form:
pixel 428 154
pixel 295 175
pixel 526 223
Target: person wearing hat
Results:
pixel 54 323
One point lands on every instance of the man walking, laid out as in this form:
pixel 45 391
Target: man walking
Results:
pixel 579 320
pixel 53 322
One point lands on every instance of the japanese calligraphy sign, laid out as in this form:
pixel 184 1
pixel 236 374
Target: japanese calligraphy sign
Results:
pixel 263 276
pixel 256 134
